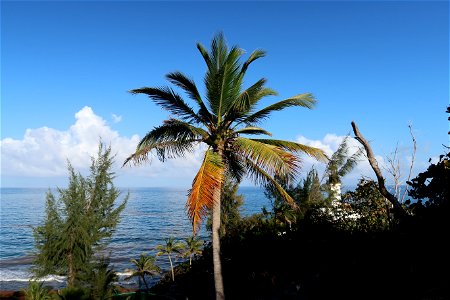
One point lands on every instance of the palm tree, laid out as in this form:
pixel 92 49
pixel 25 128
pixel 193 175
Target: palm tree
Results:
pixel 144 266
pixel 227 112
pixel 193 245
pixel 339 165
pixel 169 248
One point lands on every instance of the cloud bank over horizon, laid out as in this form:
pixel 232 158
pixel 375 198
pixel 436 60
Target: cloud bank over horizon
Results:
pixel 40 158
pixel 43 154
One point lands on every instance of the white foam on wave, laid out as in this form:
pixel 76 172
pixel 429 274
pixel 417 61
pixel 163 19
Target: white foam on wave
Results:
pixel 23 276
pixel 125 273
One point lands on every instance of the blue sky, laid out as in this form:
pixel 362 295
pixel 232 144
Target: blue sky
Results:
pixel 66 68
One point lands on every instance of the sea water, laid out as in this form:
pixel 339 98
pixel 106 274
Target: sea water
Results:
pixel 151 215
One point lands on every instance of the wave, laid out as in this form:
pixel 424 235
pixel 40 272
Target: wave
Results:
pixel 125 273
pixel 24 276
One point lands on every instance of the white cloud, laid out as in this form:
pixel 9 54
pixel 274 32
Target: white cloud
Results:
pixel 330 144
pixel 43 153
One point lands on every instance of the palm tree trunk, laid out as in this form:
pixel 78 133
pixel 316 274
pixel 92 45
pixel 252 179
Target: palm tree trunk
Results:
pixel 145 282
pixel 171 267
pixel 218 280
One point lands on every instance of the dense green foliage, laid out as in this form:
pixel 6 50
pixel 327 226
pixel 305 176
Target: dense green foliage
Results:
pixel 372 209
pixel 433 185
pixel 77 226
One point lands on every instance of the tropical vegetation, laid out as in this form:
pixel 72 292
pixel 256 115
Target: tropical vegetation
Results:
pixel 144 266
pixel 170 247
pixel 310 244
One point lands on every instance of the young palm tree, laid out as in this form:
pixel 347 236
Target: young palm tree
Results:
pixel 339 165
pixel 227 112
pixel 169 248
pixel 144 266
pixel 193 245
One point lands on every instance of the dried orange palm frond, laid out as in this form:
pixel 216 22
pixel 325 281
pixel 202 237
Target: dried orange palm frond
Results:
pixel 208 179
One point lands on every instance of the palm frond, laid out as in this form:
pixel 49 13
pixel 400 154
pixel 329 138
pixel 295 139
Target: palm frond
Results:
pixel 253 56
pixel 340 163
pixel 261 177
pixel 201 196
pixel 204 54
pixel 188 85
pixel 316 153
pixel 351 162
pixel 274 160
pixel 223 84
pixel 252 130
pixel 170 101
pixel 172 139
pixel 247 99
pixel 304 100
pixel 222 80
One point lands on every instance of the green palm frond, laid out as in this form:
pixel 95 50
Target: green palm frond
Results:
pixel 316 153
pixel 261 177
pixel 340 163
pixel 304 100
pixel 170 246
pixel 351 163
pixel 172 139
pixel 247 99
pixel 201 196
pixel 274 160
pixel 188 85
pixel 223 84
pixel 204 52
pixel 253 56
pixel 171 101
pixel 144 265
pixel 193 245
pixel 252 130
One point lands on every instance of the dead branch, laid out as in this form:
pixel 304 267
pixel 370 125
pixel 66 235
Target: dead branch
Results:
pixel 413 158
pixel 398 209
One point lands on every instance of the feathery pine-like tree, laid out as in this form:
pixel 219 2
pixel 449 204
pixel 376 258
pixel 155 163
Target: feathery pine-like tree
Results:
pixel 225 113
pixel 79 223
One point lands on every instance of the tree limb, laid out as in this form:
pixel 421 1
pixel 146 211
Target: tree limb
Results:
pixel 398 209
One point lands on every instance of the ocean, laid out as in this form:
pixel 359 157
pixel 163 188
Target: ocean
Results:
pixel 151 215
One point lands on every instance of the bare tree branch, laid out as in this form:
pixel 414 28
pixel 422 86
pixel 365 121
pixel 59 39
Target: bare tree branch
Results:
pixel 398 209
pixel 413 158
